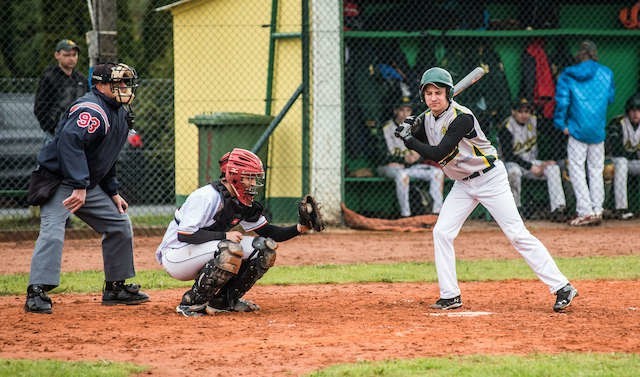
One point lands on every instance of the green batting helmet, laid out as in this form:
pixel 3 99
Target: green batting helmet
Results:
pixel 438 77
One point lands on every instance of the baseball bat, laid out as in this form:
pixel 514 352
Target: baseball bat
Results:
pixel 470 79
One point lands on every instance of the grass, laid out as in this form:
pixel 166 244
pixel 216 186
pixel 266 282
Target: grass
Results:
pixel 38 368
pixel 619 268
pixel 538 365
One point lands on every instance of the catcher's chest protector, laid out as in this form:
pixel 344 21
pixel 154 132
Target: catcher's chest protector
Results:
pixel 231 213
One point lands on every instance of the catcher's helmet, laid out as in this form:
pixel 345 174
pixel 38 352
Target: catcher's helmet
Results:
pixel 633 103
pixel 439 77
pixel 122 78
pixel 244 173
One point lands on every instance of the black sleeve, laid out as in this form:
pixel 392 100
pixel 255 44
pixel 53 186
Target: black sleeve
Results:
pixel 506 142
pixel 459 128
pixel 201 236
pixel 44 103
pixel 278 233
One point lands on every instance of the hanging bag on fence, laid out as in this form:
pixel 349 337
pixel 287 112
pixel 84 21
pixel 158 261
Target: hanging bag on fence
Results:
pixel 42 185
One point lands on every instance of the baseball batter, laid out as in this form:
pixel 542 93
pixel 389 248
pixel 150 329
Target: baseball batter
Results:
pixel 450 134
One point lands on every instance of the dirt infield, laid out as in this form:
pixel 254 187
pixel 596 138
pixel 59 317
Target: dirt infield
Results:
pixel 303 328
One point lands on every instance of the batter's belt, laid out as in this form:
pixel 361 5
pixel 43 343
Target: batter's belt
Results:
pixel 478 173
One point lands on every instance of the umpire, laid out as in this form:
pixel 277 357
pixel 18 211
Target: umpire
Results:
pixel 80 164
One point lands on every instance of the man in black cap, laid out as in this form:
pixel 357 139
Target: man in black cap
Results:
pixel 80 165
pixel 59 85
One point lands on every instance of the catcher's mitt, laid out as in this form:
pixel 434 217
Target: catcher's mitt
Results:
pixel 309 214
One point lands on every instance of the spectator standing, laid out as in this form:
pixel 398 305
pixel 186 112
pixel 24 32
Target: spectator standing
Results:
pixel 81 160
pixel 401 164
pixel 583 93
pixel 518 137
pixel 623 148
pixel 59 86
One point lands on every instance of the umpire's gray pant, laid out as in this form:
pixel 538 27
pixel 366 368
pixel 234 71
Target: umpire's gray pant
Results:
pixel 101 214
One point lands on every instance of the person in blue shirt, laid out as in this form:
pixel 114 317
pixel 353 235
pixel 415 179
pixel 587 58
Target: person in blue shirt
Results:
pixel 583 93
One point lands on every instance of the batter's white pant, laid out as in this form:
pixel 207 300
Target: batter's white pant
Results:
pixel 185 263
pixel 589 198
pixel 492 191
pixel 402 177
pixel 551 174
pixel 623 168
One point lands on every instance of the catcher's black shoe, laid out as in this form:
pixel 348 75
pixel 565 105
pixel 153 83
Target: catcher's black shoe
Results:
pixel 447 303
pixel 564 296
pixel 37 300
pixel 191 310
pixel 217 306
pixel 119 293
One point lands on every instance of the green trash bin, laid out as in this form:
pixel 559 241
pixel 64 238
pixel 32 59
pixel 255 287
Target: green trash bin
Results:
pixel 220 132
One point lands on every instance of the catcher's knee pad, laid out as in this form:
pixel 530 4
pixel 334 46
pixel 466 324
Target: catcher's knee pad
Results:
pixel 265 249
pixel 252 270
pixel 215 273
pixel 229 256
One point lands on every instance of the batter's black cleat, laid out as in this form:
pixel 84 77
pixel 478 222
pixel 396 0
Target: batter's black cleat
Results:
pixel 564 296
pixel 119 293
pixel 447 303
pixel 37 300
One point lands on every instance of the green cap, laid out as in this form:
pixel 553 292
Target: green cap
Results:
pixel 67 45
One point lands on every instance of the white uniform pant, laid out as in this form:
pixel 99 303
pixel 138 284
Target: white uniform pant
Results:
pixel 589 198
pixel 551 174
pixel 623 168
pixel 492 191
pixel 402 177
pixel 185 263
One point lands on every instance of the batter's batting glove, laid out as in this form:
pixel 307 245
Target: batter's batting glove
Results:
pixel 403 131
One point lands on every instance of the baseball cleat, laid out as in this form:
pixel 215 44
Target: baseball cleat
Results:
pixel 38 301
pixel 588 220
pixel 448 303
pixel 240 306
pixel 564 296
pixel 118 293
pixel 190 310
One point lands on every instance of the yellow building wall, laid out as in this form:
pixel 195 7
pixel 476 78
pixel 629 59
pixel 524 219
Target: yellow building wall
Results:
pixel 221 51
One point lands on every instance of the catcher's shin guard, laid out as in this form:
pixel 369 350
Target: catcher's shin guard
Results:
pixel 252 270
pixel 215 274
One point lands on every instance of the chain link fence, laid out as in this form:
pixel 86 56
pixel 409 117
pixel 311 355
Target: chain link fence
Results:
pixel 218 74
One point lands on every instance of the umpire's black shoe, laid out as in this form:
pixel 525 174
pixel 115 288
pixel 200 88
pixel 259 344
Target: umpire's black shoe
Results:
pixel 447 303
pixel 119 293
pixel 37 300
pixel 564 296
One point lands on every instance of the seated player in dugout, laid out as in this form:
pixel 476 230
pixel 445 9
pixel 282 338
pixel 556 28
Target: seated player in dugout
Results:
pixel 200 242
pixel 622 147
pixel 401 164
pixel 518 137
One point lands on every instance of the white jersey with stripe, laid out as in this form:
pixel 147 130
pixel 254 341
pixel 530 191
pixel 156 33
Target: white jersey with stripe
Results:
pixel 630 136
pixel 524 138
pixel 473 153
pixel 198 211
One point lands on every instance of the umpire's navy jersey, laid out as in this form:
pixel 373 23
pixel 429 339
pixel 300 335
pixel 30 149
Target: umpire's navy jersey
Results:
pixel 88 140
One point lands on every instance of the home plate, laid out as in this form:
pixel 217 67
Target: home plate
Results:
pixel 460 314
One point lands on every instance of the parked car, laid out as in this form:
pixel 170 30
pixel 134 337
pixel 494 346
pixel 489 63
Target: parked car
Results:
pixel 20 141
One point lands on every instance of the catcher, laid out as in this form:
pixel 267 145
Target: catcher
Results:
pixel 200 243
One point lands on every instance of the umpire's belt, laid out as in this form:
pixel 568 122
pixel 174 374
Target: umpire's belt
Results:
pixel 478 173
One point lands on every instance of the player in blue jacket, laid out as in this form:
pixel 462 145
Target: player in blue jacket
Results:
pixel 82 158
pixel 583 93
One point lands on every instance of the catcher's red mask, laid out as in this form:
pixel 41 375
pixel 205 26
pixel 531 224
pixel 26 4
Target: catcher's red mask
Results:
pixel 244 173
